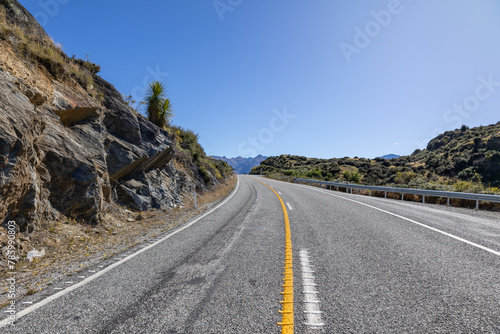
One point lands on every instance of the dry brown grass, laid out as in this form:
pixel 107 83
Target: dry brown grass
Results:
pixel 46 54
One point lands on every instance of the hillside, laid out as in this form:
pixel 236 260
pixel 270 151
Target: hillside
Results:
pixel 242 165
pixel 71 148
pixel 463 160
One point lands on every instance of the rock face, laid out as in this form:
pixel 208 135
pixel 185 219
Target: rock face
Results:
pixel 19 16
pixel 60 147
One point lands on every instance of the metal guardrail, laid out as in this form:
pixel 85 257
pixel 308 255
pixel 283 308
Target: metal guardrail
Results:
pixel 403 191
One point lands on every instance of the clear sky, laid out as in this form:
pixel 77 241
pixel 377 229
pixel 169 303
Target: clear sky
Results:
pixel 322 78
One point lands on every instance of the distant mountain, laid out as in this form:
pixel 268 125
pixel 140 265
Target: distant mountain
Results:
pixel 242 165
pixel 390 156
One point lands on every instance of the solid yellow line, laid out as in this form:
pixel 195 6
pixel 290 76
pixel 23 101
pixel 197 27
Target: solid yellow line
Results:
pixel 287 302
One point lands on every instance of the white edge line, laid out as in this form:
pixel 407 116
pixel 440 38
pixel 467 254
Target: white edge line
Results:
pixel 55 296
pixel 311 310
pixel 497 253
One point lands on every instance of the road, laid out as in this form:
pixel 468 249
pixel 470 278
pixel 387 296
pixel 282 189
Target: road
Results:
pixel 360 264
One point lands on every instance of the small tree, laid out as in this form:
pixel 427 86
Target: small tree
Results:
pixel 159 108
pixel 166 112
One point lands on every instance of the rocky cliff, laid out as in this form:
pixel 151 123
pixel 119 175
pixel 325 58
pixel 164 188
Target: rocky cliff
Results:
pixel 69 144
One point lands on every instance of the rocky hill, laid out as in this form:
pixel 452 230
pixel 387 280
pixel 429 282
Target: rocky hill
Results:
pixel 70 145
pixel 242 165
pixel 464 160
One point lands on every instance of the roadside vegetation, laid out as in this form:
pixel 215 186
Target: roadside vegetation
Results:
pixel 159 108
pixel 465 160
pixel 188 150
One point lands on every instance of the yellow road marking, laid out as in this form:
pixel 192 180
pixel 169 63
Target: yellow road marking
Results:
pixel 287 302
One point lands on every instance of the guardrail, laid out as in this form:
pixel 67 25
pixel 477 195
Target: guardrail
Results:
pixel 403 191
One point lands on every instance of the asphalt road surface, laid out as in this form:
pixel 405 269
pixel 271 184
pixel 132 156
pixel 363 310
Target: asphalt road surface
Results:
pixel 360 265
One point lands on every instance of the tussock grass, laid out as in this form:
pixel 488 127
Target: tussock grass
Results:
pixel 46 54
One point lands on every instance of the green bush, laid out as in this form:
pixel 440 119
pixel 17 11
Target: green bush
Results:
pixel 314 174
pixel 205 175
pixel 87 64
pixel 351 176
pixel 188 141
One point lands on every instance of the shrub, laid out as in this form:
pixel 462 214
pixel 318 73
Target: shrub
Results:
pixel 351 176
pixel 468 186
pixel 87 64
pixel 467 174
pixel 417 151
pixel 314 174
pixel 493 156
pixel 404 177
pixel 205 174
pixel 188 141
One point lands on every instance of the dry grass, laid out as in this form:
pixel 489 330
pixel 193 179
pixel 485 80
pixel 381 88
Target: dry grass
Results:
pixel 48 55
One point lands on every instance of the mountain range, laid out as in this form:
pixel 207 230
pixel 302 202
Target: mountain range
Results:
pixel 242 165
pixel 390 156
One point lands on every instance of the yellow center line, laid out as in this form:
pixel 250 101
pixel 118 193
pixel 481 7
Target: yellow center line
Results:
pixel 287 302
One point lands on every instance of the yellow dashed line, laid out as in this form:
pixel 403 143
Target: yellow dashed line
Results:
pixel 287 302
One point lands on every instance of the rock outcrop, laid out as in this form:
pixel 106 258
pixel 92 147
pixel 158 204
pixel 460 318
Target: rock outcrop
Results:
pixel 65 152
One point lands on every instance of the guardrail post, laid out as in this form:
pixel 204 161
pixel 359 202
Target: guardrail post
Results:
pixel 447 201
pixel 385 194
pixel 194 192
pixel 370 192
pixel 402 196
pixel 477 204
pixel 351 191
pixel 423 199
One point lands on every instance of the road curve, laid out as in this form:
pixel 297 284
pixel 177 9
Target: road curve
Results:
pixel 360 264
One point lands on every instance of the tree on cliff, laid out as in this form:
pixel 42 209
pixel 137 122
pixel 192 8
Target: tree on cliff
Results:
pixel 159 108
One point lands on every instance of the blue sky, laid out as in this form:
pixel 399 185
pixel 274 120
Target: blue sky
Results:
pixel 319 78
